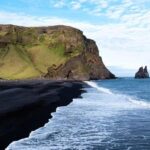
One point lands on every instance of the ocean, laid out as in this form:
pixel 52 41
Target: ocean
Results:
pixel 111 115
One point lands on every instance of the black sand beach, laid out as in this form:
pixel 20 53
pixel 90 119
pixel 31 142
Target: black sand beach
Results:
pixel 27 105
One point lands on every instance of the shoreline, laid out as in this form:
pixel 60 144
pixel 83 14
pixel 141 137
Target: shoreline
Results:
pixel 27 105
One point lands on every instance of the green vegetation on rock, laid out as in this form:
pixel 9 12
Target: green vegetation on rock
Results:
pixel 30 52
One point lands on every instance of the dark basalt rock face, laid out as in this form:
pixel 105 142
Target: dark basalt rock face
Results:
pixel 80 68
pixel 87 65
pixel 142 73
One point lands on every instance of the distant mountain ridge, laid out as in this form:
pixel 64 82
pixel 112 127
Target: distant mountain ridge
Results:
pixel 54 52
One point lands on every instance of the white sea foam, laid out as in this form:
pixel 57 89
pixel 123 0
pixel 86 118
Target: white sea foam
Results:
pixel 101 89
pixel 134 102
pixel 84 122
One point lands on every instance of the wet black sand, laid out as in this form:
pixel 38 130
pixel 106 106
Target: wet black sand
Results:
pixel 27 105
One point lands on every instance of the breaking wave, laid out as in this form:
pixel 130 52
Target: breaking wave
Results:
pixel 102 119
pixel 135 102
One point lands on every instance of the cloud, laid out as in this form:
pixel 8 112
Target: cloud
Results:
pixel 120 44
pixel 59 4
pixel 76 5
pixel 116 10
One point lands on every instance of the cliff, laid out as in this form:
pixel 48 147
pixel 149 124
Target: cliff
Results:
pixel 142 73
pixel 56 52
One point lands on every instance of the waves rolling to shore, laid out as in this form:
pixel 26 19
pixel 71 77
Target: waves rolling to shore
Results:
pixel 107 117
pixel 135 103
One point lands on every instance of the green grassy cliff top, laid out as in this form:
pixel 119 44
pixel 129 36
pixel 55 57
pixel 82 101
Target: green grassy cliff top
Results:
pixel 29 52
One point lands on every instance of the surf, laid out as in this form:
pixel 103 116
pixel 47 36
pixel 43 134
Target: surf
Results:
pixel 96 86
pixel 122 98
pixel 104 118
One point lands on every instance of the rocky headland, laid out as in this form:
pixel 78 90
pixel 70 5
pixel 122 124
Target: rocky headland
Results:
pixel 53 58
pixel 54 52
pixel 142 73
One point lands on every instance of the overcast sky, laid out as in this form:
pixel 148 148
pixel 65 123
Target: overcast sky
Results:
pixel 121 28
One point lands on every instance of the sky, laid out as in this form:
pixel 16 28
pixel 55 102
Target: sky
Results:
pixel 121 28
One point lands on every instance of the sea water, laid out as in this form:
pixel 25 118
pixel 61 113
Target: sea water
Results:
pixel 111 115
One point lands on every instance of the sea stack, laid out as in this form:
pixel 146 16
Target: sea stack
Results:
pixel 142 73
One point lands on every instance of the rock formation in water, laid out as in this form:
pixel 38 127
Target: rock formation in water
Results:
pixel 55 52
pixel 142 73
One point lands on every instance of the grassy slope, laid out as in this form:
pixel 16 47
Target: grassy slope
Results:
pixel 33 55
pixel 16 65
